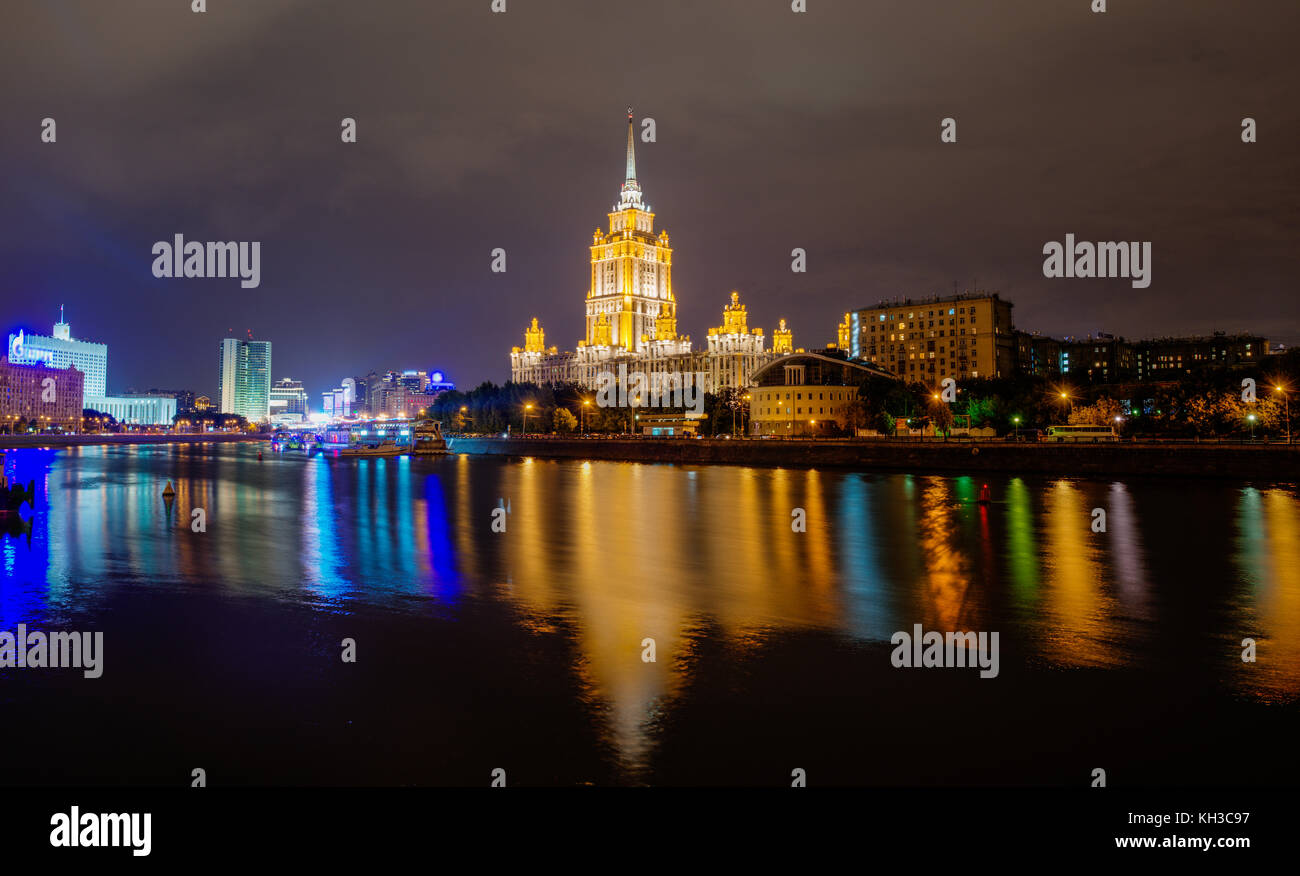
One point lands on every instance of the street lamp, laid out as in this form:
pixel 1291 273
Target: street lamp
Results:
pixel 1251 418
pixel 586 403
pixel 1286 396
pixel 527 408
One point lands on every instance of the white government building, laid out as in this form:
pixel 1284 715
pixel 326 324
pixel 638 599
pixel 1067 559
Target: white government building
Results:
pixel 62 350
pixel 631 313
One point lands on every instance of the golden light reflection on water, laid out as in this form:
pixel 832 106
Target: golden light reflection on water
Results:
pixel 1082 612
pixel 609 554
pixel 1267 557
pixel 947 582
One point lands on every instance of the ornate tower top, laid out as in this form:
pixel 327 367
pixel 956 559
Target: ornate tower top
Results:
pixel 534 338
pixel 735 320
pixel 630 194
pixel 782 339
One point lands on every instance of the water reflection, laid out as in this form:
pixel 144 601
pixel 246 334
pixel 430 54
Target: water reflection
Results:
pixel 607 555
pixel 1267 597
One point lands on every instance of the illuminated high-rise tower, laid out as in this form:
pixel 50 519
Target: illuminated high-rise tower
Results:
pixel 631 269
pixel 631 312
pixel 244 381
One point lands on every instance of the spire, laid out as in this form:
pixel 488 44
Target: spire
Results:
pixel 630 193
pixel 631 150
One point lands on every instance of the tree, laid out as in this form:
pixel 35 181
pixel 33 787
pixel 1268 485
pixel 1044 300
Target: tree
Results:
pixel 1224 413
pixel 855 416
pixel 564 421
pixel 942 418
pixel 95 421
pixel 1102 412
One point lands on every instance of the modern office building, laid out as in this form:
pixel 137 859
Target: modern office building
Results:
pixel 39 393
pixel 340 401
pixel 928 339
pixel 388 394
pixel 61 350
pixel 413 379
pixel 288 400
pixel 244 380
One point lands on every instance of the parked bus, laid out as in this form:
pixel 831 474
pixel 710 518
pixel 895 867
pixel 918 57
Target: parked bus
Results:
pixel 1081 433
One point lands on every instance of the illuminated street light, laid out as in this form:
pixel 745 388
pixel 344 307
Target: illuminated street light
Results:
pixel 1286 396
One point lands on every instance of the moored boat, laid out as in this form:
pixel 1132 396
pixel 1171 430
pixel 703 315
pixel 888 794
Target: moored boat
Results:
pixel 12 496
pixel 366 439
pixel 284 439
pixel 428 439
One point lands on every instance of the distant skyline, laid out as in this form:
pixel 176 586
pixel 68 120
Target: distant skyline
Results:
pixel 774 131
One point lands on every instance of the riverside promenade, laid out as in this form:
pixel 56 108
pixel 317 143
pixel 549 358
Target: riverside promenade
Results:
pixel 1256 461
pixel 15 441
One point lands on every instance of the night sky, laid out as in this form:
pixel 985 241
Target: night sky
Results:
pixel 775 130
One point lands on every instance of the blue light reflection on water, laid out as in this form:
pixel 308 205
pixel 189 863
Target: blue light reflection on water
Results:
pixel 588 539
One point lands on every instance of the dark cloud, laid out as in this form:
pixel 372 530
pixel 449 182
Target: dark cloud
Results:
pixel 775 130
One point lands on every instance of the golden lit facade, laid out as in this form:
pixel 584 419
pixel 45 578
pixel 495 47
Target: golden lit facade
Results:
pixel 631 312
pixel 958 336
pixel 631 269
pixel 805 394
pixel 783 340
pixel 735 351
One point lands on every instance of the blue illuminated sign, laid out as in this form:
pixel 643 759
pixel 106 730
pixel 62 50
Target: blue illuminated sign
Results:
pixel 18 352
